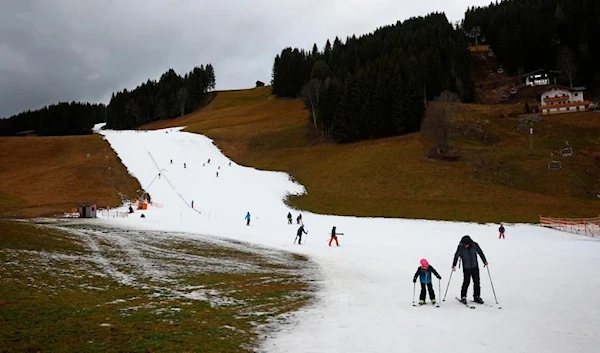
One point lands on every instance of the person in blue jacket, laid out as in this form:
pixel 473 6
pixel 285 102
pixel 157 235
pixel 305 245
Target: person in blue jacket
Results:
pixel 424 272
pixel 247 218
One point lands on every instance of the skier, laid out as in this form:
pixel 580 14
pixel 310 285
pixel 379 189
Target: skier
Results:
pixel 208 162
pixel 230 164
pixel 501 230
pixel 334 237
pixel 171 161
pixel 184 165
pixel 247 216
pixel 192 203
pixel 424 272
pixel 130 209
pixel 299 219
pixel 467 250
pixel 299 234
pixel 158 175
pixel 289 217
pixel 217 174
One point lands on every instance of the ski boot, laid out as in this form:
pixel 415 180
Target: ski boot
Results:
pixel 421 302
pixel 478 300
pixel 433 301
pixel 463 300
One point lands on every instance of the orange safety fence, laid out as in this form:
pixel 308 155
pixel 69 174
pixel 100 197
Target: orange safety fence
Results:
pixel 586 226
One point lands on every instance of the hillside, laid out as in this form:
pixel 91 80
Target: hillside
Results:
pixel 45 176
pixel 494 180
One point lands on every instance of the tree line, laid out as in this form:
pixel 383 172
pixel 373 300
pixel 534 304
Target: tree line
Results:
pixel 56 119
pixel 169 97
pixel 527 35
pixel 377 85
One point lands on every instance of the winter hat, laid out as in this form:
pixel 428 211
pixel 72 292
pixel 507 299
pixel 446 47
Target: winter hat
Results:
pixel 466 240
pixel 424 263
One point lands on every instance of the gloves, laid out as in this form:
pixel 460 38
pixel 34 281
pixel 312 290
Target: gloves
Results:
pixel 414 280
pixel 439 277
pixel 453 268
pixel 485 264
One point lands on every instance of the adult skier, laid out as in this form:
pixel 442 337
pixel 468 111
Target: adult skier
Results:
pixel 299 234
pixel 467 250
pixel 247 218
pixel 501 231
pixel 289 217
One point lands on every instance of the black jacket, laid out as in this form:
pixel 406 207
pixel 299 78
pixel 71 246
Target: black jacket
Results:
pixel 501 229
pixel 468 254
pixel 300 230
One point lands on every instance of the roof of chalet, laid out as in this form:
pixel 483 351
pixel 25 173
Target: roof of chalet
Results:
pixel 538 70
pixel 575 89
pixel 87 204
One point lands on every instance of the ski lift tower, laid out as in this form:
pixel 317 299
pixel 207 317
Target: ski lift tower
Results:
pixel 475 32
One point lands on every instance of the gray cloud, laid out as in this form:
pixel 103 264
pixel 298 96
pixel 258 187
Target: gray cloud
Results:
pixel 82 50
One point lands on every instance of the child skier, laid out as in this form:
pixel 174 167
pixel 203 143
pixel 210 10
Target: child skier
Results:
pixel 334 237
pixel 289 217
pixel 247 218
pixel 424 272
pixel 501 230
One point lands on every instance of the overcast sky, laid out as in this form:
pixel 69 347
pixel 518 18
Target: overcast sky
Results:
pixel 83 50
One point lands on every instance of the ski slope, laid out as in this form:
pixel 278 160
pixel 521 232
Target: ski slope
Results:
pixel 545 281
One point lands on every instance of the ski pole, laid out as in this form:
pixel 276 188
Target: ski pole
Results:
pixel 296 238
pixel 439 286
pixel 492 283
pixel 449 279
pixel 414 287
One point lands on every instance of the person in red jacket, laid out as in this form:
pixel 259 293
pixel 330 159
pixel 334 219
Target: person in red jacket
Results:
pixel 334 237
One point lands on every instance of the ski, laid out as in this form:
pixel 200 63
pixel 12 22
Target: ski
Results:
pixel 467 305
pixel 486 304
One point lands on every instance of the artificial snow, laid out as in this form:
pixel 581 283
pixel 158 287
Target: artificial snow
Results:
pixel 546 281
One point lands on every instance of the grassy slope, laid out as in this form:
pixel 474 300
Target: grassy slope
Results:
pixel 495 180
pixel 56 295
pixel 41 176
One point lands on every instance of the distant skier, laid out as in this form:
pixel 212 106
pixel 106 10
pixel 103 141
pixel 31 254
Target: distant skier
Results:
pixel 192 203
pixel 467 250
pixel 130 209
pixel 247 216
pixel 184 165
pixel 424 273
pixel 217 174
pixel 299 219
pixel 208 162
pixel 158 175
pixel 289 217
pixel 203 164
pixel 171 161
pixel 230 164
pixel 334 237
pixel 299 234
pixel 501 230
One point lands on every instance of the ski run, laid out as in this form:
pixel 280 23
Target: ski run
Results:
pixel 545 281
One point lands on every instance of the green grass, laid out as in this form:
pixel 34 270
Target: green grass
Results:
pixel 55 296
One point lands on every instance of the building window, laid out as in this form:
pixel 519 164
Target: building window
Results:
pixel 576 94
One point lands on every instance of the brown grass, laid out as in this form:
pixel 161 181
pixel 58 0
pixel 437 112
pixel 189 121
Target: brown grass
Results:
pixel 44 176
pixel 56 297
pixel 495 178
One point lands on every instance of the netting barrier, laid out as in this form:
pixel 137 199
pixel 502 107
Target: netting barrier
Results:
pixel 585 226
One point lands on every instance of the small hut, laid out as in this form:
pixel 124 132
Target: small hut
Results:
pixel 87 210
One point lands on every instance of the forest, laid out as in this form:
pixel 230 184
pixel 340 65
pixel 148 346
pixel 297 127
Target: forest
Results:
pixel 377 85
pixel 169 97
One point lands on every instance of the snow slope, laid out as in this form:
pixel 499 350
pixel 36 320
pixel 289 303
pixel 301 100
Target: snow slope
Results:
pixel 545 281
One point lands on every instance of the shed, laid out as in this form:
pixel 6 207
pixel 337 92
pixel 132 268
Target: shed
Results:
pixel 87 210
